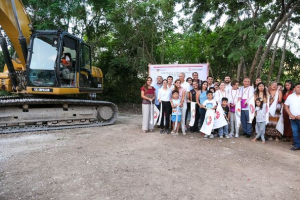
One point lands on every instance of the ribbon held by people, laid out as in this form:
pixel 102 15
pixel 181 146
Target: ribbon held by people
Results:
pixel 280 124
pixel 272 108
pixel 154 114
pixel 193 113
pixel 220 119
pixel 208 122
pixel 238 110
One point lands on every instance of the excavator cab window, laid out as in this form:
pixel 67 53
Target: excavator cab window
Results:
pixel 85 66
pixel 43 61
pixel 68 62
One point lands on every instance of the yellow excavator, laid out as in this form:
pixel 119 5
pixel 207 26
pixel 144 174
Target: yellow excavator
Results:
pixel 46 68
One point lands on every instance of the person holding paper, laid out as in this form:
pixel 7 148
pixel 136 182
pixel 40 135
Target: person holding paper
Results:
pixel 200 98
pixel 148 97
pixel 192 97
pixel 233 96
pixel 176 112
pixel 260 111
pixel 224 129
pixel 246 97
pixel 164 96
pixel 187 87
pixel 209 103
pixel 287 91
pixel 275 100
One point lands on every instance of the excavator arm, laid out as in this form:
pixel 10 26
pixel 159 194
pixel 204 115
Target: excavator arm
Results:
pixel 12 27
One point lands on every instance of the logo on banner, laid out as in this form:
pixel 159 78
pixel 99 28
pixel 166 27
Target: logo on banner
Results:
pixel 208 120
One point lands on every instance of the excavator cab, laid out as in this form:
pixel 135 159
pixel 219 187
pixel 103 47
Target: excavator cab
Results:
pixel 47 63
pixel 59 63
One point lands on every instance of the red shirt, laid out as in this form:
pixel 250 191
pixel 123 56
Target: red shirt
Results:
pixel 149 93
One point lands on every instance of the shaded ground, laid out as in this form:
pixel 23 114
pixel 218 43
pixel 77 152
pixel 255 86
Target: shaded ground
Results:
pixel 121 162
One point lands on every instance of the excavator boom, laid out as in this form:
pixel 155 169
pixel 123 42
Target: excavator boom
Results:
pixel 9 23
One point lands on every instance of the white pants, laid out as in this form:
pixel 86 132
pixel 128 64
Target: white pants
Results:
pixel 233 126
pixel 183 113
pixel 148 111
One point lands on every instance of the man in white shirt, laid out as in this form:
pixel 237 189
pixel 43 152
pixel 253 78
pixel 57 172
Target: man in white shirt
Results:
pixel 187 88
pixel 227 81
pixel 246 93
pixel 233 96
pixel 292 107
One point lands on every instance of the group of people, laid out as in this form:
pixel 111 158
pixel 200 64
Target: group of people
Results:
pixel 271 113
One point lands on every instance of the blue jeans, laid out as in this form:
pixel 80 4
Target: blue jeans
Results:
pixel 223 130
pixel 247 127
pixel 296 132
pixel 261 129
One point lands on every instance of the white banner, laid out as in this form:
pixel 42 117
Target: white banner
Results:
pixel 208 122
pixel 220 119
pixel 267 111
pixel 175 69
pixel 251 104
pixel 193 113
pixel 272 109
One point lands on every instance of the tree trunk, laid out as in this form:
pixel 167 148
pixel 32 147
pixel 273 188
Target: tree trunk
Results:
pixel 273 58
pixel 254 62
pixel 239 68
pixel 244 70
pixel 284 19
pixel 283 51
pixel 259 49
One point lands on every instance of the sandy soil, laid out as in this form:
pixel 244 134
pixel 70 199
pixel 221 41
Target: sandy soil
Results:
pixel 121 162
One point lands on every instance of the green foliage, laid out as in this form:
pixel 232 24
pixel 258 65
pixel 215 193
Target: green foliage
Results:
pixel 125 36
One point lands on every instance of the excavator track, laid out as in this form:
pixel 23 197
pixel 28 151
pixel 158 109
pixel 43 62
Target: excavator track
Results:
pixel 39 114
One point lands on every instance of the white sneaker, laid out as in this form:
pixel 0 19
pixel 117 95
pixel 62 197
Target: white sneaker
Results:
pixel 183 133
pixel 221 136
pixel 227 136
pixel 236 135
pixel 211 136
pixel 231 135
pixel 205 136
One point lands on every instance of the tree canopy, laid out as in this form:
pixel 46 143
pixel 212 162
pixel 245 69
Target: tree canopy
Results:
pixel 237 37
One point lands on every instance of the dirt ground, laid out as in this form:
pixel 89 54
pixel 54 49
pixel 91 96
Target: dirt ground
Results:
pixel 121 162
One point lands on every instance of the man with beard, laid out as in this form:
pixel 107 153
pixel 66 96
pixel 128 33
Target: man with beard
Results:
pixel 227 81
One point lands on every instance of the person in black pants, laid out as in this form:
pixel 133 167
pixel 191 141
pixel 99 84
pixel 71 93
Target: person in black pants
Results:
pixel 164 97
